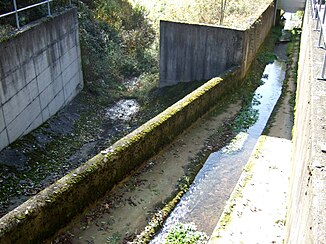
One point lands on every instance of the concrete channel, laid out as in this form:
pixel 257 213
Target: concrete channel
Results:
pixel 125 211
pixel 148 187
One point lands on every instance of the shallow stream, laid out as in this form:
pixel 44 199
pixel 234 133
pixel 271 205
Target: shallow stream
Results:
pixel 207 195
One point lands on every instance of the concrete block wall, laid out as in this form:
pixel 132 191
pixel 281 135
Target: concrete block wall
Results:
pixel 40 72
pixel 190 52
pixel 306 218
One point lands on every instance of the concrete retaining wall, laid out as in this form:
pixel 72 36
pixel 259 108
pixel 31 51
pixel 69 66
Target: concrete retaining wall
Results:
pixel 49 210
pixel 306 218
pixel 40 72
pixel 256 35
pixel 190 52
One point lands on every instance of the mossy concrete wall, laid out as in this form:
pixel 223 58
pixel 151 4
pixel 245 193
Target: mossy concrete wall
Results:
pixel 306 217
pixel 53 207
pixel 40 72
pixel 192 52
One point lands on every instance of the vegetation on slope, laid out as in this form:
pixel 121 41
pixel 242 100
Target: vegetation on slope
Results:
pixel 235 13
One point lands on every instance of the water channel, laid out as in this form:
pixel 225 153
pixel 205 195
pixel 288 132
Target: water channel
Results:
pixel 206 196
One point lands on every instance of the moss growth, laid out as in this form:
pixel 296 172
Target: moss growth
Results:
pixel 250 83
pixel 292 53
pixel 157 220
pixel 187 234
pixel 246 176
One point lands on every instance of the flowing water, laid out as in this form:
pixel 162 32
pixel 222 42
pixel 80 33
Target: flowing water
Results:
pixel 204 202
pixel 123 110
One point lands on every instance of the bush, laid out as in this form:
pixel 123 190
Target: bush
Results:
pixel 185 233
pixel 115 39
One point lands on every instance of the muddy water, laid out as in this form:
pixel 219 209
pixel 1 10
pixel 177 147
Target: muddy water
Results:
pixel 206 197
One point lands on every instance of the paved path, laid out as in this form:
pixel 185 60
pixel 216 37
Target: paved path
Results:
pixel 256 210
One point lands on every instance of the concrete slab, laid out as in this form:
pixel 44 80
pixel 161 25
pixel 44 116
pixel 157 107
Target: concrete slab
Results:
pixel 14 107
pixel 46 114
pixel 50 92
pixel 19 125
pixel 68 58
pixel 11 85
pixel 66 43
pixel 3 139
pixel 2 121
pixel 56 103
pixel 256 210
pixel 29 71
pixel 70 72
pixel 70 89
pixel 44 79
pixel 34 124
pixel 41 62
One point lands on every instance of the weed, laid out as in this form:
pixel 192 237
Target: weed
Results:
pixel 185 233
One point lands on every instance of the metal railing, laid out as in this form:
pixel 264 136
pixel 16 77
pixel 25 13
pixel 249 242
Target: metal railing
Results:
pixel 17 10
pixel 318 12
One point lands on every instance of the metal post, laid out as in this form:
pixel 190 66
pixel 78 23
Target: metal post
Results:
pixel 49 8
pixel 315 9
pixel 317 22
pixel 16 13
pixel 323 21
pixel 323 68
pixel 320 37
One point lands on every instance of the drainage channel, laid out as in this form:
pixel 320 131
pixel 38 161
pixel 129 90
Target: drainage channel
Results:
pixel 125 211
pixel 207 194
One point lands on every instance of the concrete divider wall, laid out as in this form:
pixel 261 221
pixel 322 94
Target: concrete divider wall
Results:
pixel 306 219
pixel 256 35
pixel 40 72
pixel 49 210
pixel 190 52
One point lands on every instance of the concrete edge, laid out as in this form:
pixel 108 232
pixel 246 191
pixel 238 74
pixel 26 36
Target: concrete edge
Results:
pixel 203 24
pixel 37 22
pixel 42 215
pixel 236 193
pixel 256 210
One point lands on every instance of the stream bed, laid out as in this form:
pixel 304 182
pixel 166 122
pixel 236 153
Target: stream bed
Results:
pixel 205 199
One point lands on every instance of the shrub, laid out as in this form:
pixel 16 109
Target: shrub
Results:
pixel 185 233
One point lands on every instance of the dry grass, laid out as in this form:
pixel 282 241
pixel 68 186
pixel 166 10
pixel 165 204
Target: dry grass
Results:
pixel 238 13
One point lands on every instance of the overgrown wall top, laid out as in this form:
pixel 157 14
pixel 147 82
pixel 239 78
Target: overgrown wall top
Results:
pixel 190 52
pixel 49 210
pixel 40 71
pixel 306 211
